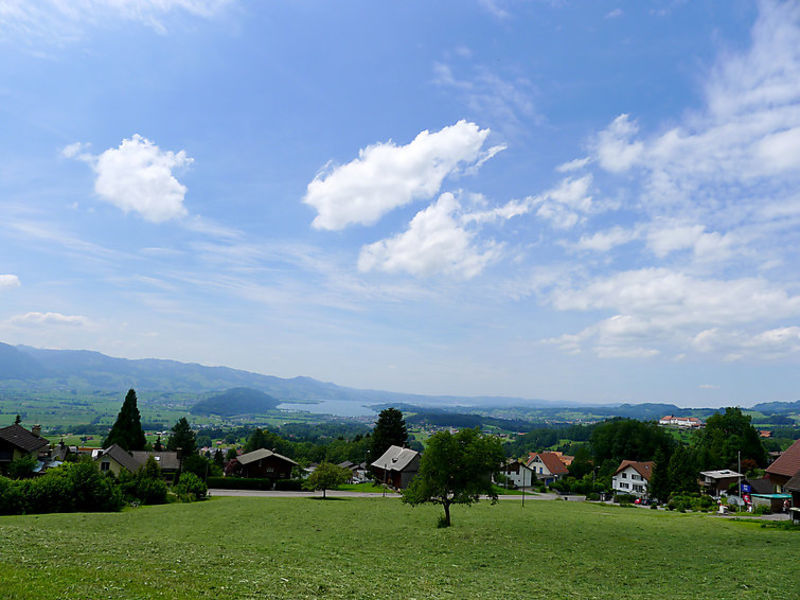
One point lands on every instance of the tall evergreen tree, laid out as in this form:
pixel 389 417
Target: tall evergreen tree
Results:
pixel 682 470
pixel 659 487
pixel 182 437
pixel 127 430
pixel 390 430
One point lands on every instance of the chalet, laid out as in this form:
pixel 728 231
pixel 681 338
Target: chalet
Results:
pixel 785 467
pixel 718 482
pixel 547 466
pixel 682 422
pixel 169 461
pixel 116 459
pixel 518 474
pixel 17 442
pixel 262 463
pixel 632 477
pixel 397 466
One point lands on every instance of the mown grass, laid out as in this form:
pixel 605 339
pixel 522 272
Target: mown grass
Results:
pixel 380 548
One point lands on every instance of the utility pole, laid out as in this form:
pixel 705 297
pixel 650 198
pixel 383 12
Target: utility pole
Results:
pixel 739 458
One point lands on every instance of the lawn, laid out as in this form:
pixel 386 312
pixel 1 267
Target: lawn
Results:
pixel 380 548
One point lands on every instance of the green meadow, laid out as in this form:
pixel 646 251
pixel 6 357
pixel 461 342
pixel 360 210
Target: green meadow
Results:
pixel 380 548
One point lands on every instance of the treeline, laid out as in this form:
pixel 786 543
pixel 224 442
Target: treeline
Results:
pixel 464 421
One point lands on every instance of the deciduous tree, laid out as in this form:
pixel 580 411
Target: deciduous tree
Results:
pixel 456 469
pixel 326 476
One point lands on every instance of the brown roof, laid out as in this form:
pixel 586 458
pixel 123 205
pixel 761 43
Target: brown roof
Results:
pixel 645 469
pixel 259 454
pixel 551 461
pixel 18 436
pixel 788 463
pixel 166 459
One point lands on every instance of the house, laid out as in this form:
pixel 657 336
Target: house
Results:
pixel 397 466
pixel 793 487
pixel 718 482
pixel 682 422
pixel 168 460
pixel 17 442
pixel 547 466
pixel 61 452
pixel 632 477
pixel 261 463
pixel 115 459
pixel 518 474
pixel 785 467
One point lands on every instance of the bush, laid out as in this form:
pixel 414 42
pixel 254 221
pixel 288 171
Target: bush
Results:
pixel 22 468
pixel 240 483
pixel 289 485
pixel 593 496
pixel 625 498
pixel 695 502
pixel 145 486
pixel 190 487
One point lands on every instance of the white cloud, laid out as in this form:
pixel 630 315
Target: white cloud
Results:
pixel 77 150
pixel 386 176
pixel 613 14
pixel 138 176
pixel 58 21
pixel 574 165
pixel 49 319
pixel 603 241
pixel 614 148
pixel 436 242
pixel 9 281
pixel 661 306
pixel 565 204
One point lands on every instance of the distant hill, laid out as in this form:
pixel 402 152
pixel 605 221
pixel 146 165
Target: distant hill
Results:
pixel 778 408
pixel 17 365
pixel 237 401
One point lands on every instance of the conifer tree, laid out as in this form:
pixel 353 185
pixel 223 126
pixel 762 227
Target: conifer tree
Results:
pixel 182 437
pixel 390 430
pixel 127 430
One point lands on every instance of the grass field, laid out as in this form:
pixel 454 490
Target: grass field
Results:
pixel 380 548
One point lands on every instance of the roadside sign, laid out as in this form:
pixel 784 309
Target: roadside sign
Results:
pixel 745 488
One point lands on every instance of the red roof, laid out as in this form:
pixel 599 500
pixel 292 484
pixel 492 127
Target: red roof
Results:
pixel 789 462
pixel 551 461
pixel 645 469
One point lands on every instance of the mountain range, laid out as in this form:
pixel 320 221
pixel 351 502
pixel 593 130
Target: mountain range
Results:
pixel 35 369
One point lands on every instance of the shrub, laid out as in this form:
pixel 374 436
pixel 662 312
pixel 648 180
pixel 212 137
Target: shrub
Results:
pixel 593 496
pixel 624 498
pixel 240 483
pixel 289 485
pixel 22 468
pixel 190 487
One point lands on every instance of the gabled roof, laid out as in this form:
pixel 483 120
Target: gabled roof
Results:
pixel 395 458
pixel 793 485
pixel 122 456
pixel 761 486
pixel 551 461
pixel 645 469
pixel 255 455
pixel 18 436
pixel 166 459
pixel 788 464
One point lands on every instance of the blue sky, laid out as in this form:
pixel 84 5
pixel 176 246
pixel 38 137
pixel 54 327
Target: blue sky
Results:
pixel 576 201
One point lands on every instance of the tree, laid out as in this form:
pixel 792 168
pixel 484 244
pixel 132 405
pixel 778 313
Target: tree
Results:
pixel 724 436
pixel 127 430
pixel 628 439
pixel 326 476
pixel 682 470
pixel 182 437
pixel 456 469
pixel 582 462
pixel 390 430
pixel 658 486
pixel 17 420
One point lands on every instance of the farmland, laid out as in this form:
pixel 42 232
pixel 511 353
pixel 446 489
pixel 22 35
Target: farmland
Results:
pixel 379 548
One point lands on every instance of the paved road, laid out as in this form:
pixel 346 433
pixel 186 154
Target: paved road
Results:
pixel 338 494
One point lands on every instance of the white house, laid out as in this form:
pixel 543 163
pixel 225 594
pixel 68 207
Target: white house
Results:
pixel 682 422
pixel 547 466
pixel 518 474
pixel 632 477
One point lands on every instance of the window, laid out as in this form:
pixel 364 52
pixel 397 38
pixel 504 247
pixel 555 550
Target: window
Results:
pixel 105 466
pixel 624 475
pixel 623 485
pixel 636 477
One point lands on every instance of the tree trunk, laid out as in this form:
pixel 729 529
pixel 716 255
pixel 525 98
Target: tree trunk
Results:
pixel 323 493
pixel 446 513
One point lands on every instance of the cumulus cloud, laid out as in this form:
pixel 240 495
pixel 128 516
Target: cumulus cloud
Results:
pixel 9 281
pixel 386 176
pixel 436 242
pixel 49 319
pixel 603 241
pixel 565 204
pixel 138 176
pixel 615 148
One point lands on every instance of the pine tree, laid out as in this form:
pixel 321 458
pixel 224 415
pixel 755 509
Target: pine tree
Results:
pixel 182 437
pixel 682 470
pixel 659 487
pixel 127 430
pixel 390 430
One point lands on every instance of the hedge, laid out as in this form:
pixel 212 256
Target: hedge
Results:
pixel 239 483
